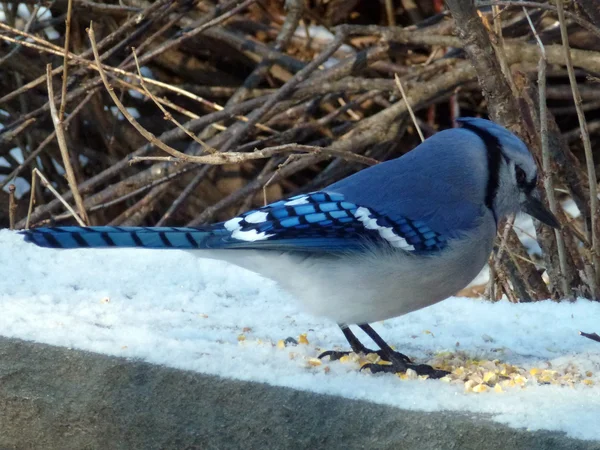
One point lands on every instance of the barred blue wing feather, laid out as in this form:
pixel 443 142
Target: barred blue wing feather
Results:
pixel 320 222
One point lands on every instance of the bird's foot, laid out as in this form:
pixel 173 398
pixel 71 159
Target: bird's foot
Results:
pixel 401 366
pixel 334 355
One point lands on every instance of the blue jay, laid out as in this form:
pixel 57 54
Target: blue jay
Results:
pixel 388 240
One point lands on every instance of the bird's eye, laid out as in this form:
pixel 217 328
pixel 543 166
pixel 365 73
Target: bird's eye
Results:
pixel 520 176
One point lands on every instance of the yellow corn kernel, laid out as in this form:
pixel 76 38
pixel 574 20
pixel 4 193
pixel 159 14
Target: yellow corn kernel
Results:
pixel 459 371
pixel 302 339
pixel 480 388
pixel 490 377
pixel 383 362
pixel 469 385
pixel 520 380
pixel 411 374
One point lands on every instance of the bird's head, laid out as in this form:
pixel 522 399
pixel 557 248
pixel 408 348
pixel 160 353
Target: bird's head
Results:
pixel 512 177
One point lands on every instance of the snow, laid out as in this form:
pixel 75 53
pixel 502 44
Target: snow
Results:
pixel 171 308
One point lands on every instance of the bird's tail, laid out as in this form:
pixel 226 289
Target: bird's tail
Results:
pixel 123 237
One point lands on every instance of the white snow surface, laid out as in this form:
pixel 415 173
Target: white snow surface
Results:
pixel 169 307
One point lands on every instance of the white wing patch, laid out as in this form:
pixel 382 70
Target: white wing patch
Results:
pixel 234 225
pixel 256 217
pixel 298 201
pixel 364 215
pixel 250 235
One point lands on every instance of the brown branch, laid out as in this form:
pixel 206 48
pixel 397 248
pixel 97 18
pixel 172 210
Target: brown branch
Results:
pixel 12 206
pixel 585 137
pixel 48 185
pixel 9 135
pixel 63 94
pixel 64 151
pixel 261 154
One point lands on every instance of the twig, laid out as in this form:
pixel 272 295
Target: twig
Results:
pixel 410 111
pixel 234 157
pixel 287 161
pixel 131 194
pixel 64 151
pixel 31 197
pixel 63 96
pixel 49 186
pixel 136 213
pixel 167 115
pixel 389 12
pixel 497 256
pixel 198 178
pixel 587 146
pixel 592 336
pixel 11 134
pixel 12 206
pixel 546 164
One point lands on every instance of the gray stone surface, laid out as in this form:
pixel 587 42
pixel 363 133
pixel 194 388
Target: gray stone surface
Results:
pixel 55 398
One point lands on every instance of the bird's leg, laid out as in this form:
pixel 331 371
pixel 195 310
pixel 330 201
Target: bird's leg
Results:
pixel 385 354
pixel 358 347
pixel 355 345
pixel 398 360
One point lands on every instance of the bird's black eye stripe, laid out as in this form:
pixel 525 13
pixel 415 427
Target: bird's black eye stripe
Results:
pixel 520 176
pixel 494 155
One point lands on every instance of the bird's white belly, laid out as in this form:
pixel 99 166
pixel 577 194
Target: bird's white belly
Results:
pixel 383 287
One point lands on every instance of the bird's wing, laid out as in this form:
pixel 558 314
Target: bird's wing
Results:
pixel 319 222
pixel 326 222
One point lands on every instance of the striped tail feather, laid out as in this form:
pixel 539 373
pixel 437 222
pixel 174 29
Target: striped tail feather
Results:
pixel 127 237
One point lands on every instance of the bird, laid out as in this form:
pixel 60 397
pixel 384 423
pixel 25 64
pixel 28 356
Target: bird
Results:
pixel 390 239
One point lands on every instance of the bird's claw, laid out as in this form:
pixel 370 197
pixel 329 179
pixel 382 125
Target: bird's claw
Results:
pixel 335 355
pixel 401 367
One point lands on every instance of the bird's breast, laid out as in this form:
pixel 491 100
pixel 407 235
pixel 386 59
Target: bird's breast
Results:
pixel 386 283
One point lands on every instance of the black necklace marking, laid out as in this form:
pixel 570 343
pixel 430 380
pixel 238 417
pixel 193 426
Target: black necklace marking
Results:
pixel 494 156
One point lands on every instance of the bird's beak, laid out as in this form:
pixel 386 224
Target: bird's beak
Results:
pixel 535 208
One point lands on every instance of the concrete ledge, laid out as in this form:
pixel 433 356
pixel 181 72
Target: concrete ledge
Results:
pixel 55 398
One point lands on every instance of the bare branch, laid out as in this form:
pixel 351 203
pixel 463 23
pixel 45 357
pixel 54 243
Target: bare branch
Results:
pixel 62 144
